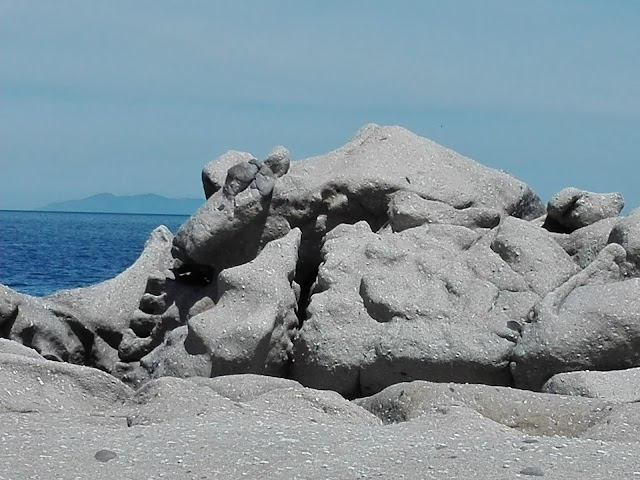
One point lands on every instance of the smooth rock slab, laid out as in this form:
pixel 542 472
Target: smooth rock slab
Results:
pixel 615 385
pixel 191 432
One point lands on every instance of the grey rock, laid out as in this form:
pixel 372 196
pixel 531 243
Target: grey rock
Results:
pixel 105 455
pixel 227 232
pixel 591 322
pixel 407 210
pixel 584 244
pixel 15 348
pixel 167 304
pixel 250 327
pixel 621 424
pixel 418 304
pixel 627 233
pixel 531 413
pixel 615 385
pixel 532 471
pixel 214 174
pixel 531 252
pixel 109 306
pixel 355 182
pixel 239 177
pixel 244 387
pixel 177 429
pixel 39 385
pixel 573 208
pixel 264 181
pixel 85 325
pixel 173 401
pixel 278 161
pixel 174 357
pixel 43 326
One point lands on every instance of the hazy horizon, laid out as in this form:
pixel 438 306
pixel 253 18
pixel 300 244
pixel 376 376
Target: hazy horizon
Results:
pixel 136 97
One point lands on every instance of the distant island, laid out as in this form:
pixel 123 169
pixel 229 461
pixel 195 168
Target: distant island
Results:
pixel 145 204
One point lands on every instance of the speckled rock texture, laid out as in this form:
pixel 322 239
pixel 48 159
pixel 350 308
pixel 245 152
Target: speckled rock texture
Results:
pixel 76 422
pixel 365 274
pixel 614 385
pixel 572 208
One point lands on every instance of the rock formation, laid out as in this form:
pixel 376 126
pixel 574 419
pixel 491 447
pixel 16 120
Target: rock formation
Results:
pixel 391 271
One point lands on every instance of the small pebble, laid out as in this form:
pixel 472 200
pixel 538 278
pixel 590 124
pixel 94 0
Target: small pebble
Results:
pixel 105 455
pixel 532 471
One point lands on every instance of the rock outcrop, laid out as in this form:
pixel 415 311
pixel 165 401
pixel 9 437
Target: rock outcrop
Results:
pixel 392 271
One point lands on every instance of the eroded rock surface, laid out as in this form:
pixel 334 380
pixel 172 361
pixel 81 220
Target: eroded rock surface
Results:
pixel 572 208
pixel 389 260
pixel 434 302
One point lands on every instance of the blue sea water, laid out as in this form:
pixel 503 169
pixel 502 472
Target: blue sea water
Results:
pixel 43 252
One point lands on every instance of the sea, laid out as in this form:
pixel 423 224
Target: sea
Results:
pixel 43 252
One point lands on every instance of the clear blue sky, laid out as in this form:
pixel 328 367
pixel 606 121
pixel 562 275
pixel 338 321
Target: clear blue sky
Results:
pixel 136 96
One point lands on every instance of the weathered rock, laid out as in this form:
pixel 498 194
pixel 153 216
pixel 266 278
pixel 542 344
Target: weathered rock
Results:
pixel 173 400
pixel 532 413
pixel 615 385
pixel 176 428
pixel 108 306
pixel 239 177
pixel 591 322
pixel 230 230
pixel 279 161
pixel 408 210
pixel 15 348
pixel 627 233
pixel 244 387
pixel 354 183
pixel 573 208
pixel 622 424
pixel 168 303
pixel 43 326
pixel 174 357
pixel 250 328
pixel 532 253
pixel 584 244
pixel 420 304
pixel 85 325
pixel 39 385
pixel 213 178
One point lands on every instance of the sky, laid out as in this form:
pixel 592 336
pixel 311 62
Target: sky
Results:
pixel 131 97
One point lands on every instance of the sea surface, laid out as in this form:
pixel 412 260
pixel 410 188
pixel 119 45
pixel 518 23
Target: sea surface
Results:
pixel 43 252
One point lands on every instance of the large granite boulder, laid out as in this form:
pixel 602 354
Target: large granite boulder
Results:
pixel 350 184
pixel 437 302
